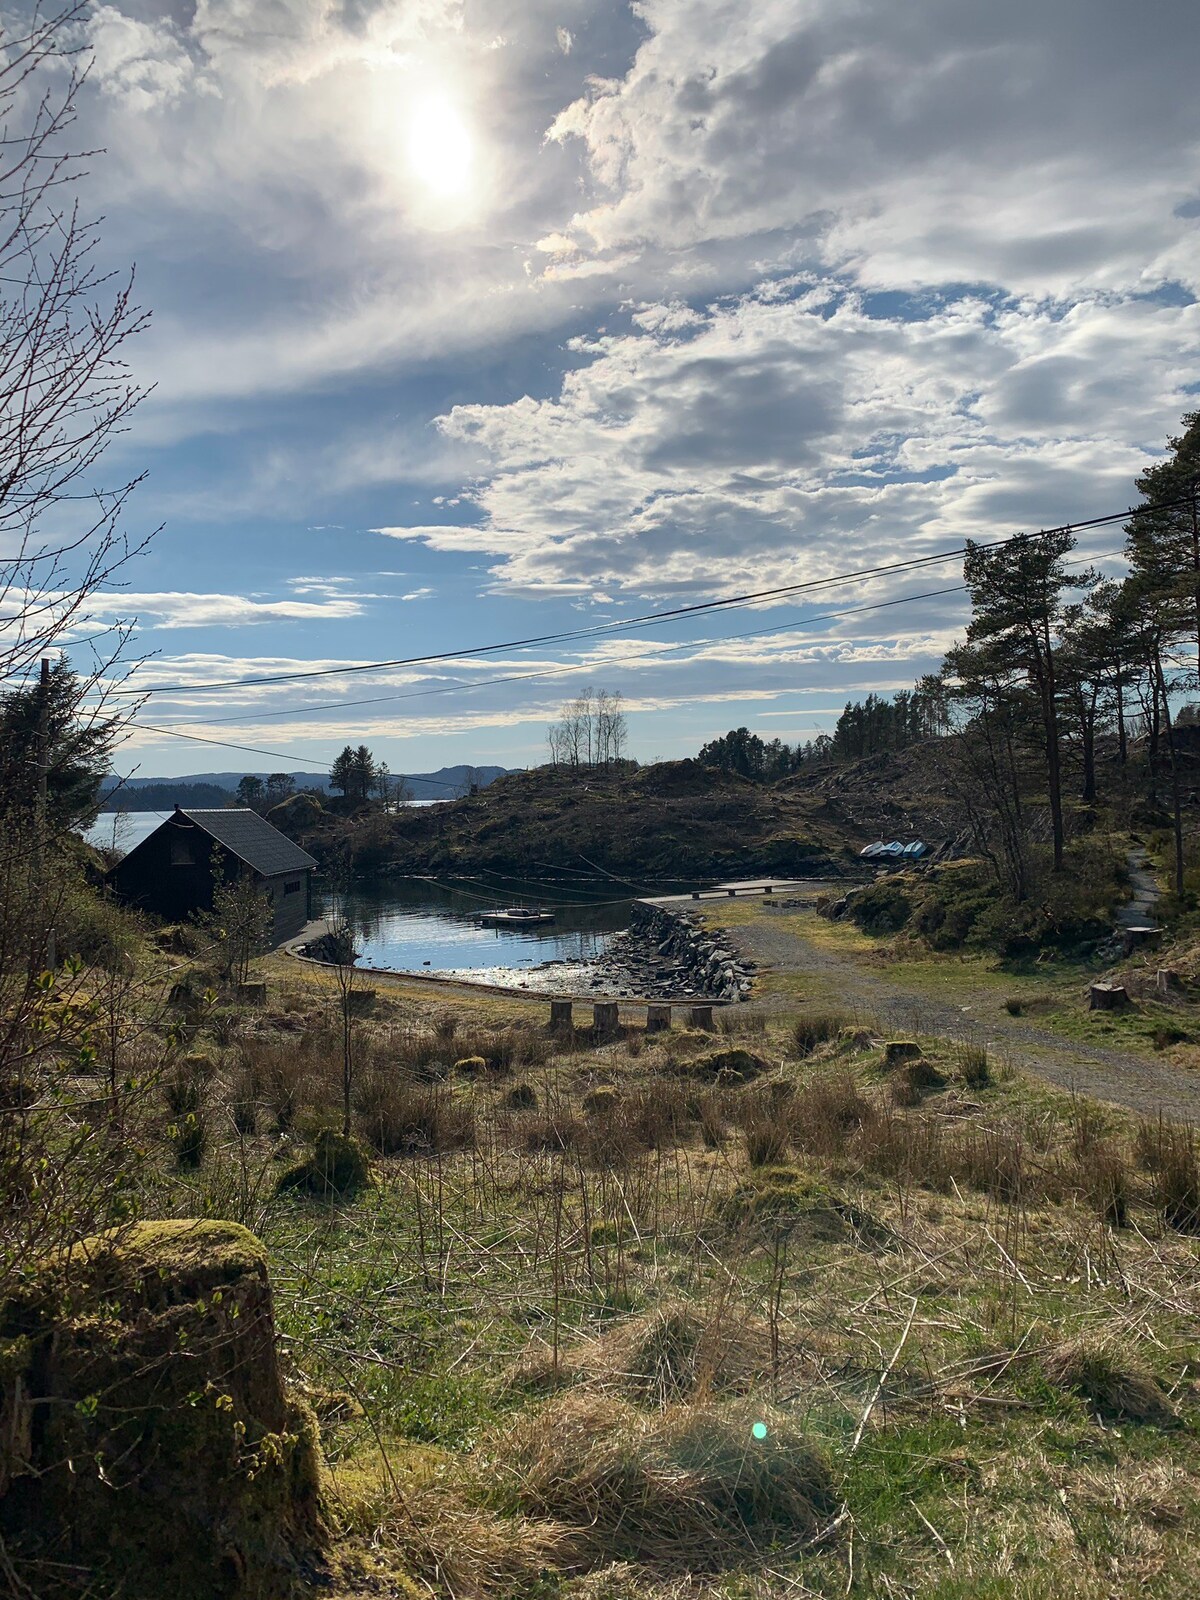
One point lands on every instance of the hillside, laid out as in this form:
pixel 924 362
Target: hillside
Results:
pixel 215 788
pixel 675 819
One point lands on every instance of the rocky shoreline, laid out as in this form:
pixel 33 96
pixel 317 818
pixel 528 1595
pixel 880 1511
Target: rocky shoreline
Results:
pixel 671 955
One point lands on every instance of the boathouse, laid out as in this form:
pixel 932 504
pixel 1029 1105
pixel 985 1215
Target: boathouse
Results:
pixel 172 872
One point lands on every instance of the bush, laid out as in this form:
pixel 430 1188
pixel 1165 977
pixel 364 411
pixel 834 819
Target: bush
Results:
pixel 882 907
pixel 724 1066
pixel 914 1081
pixel 189 1139
pixel 973 1066
pixel 1170 1152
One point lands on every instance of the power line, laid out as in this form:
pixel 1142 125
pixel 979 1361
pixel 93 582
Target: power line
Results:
pixel 755 633
pixel 648 619
pixel 555 672
pixel 616 661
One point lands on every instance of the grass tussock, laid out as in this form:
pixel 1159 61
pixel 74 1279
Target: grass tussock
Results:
pixel 400 1116
pixel 674 1352
pixel 1169 1151
pixel 817 1027
pixel 690 1488
pixel 1114 1385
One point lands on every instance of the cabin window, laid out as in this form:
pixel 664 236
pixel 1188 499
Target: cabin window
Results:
pixel 181 853
pixel 292 888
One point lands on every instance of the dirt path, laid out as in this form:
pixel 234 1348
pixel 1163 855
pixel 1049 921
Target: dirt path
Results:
pixel 1123 1077
pixel 1140 908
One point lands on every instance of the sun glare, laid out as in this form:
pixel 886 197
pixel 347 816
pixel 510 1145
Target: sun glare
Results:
pixel 439 146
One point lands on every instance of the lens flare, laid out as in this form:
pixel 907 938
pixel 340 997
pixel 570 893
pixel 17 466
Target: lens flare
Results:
pixel 759 1430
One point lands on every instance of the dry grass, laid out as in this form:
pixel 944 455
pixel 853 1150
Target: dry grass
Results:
pixel 814 1028
pixel 690 1488
pixel 1116 1386
pixel 405 1117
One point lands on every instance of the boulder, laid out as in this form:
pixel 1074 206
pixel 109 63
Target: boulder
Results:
pixel 147 1441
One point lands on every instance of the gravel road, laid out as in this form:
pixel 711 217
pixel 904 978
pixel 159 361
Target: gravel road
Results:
pixel 1123 1077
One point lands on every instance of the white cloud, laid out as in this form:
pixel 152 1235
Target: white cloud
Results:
pixel 1043 148
pixel 776 439
pixel 181 610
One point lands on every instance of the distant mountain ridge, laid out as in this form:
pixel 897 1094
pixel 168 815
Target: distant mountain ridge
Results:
pixel 201 789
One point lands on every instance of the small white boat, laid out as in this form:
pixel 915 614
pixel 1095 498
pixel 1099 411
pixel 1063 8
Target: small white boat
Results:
pixel 515 917
pixel 914 850
pixel 870 851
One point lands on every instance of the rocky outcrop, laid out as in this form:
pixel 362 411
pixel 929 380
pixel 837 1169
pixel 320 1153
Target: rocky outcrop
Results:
pixel 147 1439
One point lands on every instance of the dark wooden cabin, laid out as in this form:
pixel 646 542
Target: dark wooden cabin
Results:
pixel 171 872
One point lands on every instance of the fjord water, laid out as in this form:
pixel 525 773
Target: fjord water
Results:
pixel 413 925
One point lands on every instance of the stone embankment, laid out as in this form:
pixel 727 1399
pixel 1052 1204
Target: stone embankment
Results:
pixel 673 954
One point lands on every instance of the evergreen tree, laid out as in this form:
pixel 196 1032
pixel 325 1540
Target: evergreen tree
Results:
pixel 45 725
pixel 1163 537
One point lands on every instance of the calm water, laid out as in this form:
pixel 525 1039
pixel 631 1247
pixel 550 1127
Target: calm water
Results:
pixel 131 828
pixel 409 925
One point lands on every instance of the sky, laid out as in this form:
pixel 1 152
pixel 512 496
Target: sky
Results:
pixel 475 321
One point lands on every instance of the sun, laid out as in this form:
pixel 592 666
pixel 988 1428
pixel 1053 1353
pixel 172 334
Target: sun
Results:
pixel 439 146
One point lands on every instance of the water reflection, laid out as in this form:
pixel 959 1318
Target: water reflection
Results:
pixel 410 925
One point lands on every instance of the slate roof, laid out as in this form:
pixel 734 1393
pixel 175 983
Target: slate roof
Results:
pixel 252 839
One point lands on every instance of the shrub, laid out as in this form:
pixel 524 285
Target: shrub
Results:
pixel 337 1167
pixel 766 1138
pixel 826 1112
pixel 189 1139
pixel 882 907
pixel 185 1086
pixel 1103 1178
pixel 1171 1153
pixel 723 1066
pixel 602 1101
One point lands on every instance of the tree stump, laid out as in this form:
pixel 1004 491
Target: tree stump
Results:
pixel 701 1017
pixel 897 1051
pixel 1108 997
pixel 658 1019
pixel 561 1016
pixel 1167 982
pixel 605 1019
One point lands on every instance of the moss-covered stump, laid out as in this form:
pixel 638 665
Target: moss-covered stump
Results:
pixel 148 1445
pixel 337 1168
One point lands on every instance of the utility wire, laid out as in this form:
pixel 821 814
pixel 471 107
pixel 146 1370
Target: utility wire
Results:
pixel 618 661
pixel 650 618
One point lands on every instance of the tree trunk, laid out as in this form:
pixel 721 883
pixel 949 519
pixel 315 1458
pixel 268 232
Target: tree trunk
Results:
pixel 1176 807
